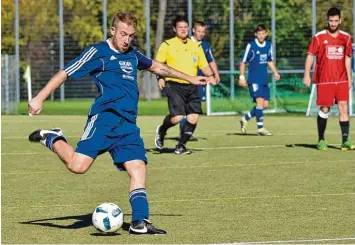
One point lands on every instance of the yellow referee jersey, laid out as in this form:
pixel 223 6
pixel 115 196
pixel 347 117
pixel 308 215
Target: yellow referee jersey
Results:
pixel 184 57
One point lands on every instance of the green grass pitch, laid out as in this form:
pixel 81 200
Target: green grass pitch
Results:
pixel 233 188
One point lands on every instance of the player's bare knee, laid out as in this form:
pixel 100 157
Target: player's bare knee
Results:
pixel 137 170
pixel 177 119
pixel 79 164
pixel 77 168
pixel 324 109
pixel 193 118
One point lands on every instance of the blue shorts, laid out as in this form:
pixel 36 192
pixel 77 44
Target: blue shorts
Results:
pixel 259 91
pixel 110 132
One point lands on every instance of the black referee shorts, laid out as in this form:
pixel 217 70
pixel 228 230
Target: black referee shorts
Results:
pixel 183 99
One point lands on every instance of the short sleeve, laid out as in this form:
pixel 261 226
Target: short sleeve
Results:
pixel 208 53
pixel 202 61
pixel 270 55
pixel 313 46
pixel 349 48
pixel 143 61
pixel 85 63
pixel 247 54
pixel 162 53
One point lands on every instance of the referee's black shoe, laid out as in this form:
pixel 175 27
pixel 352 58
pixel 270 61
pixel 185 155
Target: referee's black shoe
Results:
pixel 159 138
pixel 180 149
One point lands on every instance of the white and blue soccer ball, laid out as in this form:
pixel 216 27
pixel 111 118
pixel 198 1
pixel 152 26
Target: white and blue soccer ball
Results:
pixel 107 217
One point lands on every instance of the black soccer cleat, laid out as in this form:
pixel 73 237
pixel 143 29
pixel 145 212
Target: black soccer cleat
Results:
pixel 159 138
pixel 145 228
pixel 47 137
pixel 181 150
pixel 41 134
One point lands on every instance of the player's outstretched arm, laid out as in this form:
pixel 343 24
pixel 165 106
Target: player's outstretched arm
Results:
pixel 36 104
pixel 274 70
pixel 164 70
pixel 307 70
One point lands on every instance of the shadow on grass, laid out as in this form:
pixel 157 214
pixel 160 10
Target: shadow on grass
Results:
pixel 168 150
pixel 311 146
pixel 177 138
pixel 83 221
pixel 241 134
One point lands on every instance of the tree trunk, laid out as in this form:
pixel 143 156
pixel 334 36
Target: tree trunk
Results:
pixel 158 40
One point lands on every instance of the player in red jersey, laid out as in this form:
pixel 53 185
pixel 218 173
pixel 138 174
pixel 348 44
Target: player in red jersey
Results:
pixel 332 74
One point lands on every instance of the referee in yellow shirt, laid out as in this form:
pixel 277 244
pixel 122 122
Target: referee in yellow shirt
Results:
pixel 184 55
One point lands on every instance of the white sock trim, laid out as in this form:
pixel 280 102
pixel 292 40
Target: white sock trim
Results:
pixel 323 115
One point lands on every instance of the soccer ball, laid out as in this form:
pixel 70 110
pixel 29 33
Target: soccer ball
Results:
pixel 107 217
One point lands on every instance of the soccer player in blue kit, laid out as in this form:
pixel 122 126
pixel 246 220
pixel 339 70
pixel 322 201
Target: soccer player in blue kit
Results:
pixel 111 124
pixel 199 32
pixel 258 55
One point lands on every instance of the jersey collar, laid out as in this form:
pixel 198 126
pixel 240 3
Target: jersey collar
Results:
pixel 111 46
pixel 193 39
pixel 261 45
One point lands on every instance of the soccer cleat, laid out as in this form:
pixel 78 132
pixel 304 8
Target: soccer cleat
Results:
pixel 159 138
pixel 243 125
pixel 47 137
pixel 264 132
pixel 322 145
pixel 145 228
pixel 181 150
pixel 347 145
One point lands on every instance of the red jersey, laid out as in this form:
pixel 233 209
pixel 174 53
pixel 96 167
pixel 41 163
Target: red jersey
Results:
pixel 330 52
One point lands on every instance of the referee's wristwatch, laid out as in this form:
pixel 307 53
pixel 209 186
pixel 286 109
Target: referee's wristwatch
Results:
pixel 241 77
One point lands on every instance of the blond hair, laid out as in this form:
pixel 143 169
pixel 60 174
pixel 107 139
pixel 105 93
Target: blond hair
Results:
pixel 125 17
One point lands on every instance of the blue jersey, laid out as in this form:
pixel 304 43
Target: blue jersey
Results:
pixel 257 56
pixel 207 51
pixel 115 76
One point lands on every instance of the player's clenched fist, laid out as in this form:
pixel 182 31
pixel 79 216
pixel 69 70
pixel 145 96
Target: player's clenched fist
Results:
pixel 35 106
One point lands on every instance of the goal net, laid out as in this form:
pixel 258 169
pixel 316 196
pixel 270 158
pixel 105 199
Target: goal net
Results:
pixel 8 85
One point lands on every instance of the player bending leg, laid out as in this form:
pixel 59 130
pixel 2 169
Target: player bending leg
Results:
pixel 332 74
pixel 111 124
pixel 258 55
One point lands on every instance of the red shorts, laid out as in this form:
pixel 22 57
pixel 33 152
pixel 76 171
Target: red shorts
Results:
pixel 328 93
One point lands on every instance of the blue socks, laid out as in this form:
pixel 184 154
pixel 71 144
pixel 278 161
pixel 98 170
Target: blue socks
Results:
pixel 259 114
pixel 182 123
pixel 51 139
pixel 250 114
pixel 139 204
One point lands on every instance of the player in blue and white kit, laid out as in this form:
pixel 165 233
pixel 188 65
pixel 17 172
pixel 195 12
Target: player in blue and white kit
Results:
pixel 199 32
pixel 258 55
pixel 111 124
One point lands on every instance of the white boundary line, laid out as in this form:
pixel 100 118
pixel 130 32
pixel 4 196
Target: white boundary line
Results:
pixel 194 148
pixel 234 198
pixel 270 163
pixel 301 241
pixel 230 133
